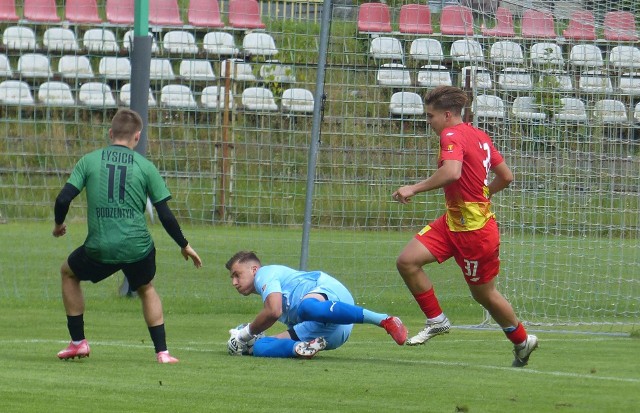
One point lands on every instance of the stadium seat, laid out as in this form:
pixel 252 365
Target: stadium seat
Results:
pixel 127 41
pixel 456 20
pixel 426 49
pixel 431 76
pixel 479 77
pixel 19 38
pixel 274 71
pixel 245 14
pixel 624 57
pixel 594 81
pixel 161 69
pixel 636 113
pixel 15 92
pixel 125 96
pixel 100 41
pixel 238 70
pixel 204 13
pixel 297 100
pixel 115 68
pixel 571 110
pixel 610 111
pixel 196 70
pixel 179 42
pixel 177 96
pixel 629 84
pixel 581 26
pixel 259 44
pixel 40 11
pixel 82 11
pixel 212 97
pixel 75 67
pixel 467 50
pixel 120 12
pixel 562 80
pixel 258 99
pixel 620 26
pixel 220 44
pixel 525 108
pixel 384 47
pixel 415 19
pixel 60 39
pixel 546 54
pixel 5 66
pixel 55 93
pixel 586 55
pixel 406 104
pixel 506 52
pixel 164 13
pixel 96 94
pixel 374 18
pixel 513 79
pixel 538 24
pixel 34 65
pixel 8 11
pixel 488 107
pixel 504 24
pixel 393 75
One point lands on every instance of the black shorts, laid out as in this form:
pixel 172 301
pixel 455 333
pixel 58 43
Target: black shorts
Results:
pixel 138 273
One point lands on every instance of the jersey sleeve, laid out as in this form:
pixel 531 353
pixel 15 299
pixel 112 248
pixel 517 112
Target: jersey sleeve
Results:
pixel 496 156
pixel 266 283
pixel 78 176
pixel 451 146
pixel 156 186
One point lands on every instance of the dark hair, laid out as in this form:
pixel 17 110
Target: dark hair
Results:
pixel 448 98
pixel 242 257
pixel 125 124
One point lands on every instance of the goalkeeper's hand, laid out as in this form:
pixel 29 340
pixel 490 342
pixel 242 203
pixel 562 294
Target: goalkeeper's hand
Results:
pixel 244 334
pixel 236 347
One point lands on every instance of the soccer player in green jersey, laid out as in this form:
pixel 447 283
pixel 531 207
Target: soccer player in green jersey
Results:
pixel 118 181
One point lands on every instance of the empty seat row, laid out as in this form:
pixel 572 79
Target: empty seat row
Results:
pixel 457 20
pixel 243 14
pixel 505 52
pixel 104 41
pixel 100 95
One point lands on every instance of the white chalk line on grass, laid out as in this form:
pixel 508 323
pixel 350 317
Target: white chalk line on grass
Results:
pixel 219 345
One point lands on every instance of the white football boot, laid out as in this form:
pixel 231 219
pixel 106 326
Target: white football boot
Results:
pixel 431 329
pixel 524 350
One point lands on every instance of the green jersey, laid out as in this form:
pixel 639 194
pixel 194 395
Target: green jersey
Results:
pixel 118 181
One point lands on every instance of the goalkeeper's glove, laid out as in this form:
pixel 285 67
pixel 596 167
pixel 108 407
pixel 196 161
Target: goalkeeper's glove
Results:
pixel 244 334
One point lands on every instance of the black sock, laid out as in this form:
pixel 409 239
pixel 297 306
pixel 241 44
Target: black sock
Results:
pixel 158 337
pixel 75 324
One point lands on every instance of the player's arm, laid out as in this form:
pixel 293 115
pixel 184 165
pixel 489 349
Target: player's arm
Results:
pixel 171 225
pixel 61 208
pixel 270 313
pixel 503 177
pixel 448 173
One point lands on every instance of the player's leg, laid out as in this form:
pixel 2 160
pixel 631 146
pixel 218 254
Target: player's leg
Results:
pixel 428 246
pixel 287 347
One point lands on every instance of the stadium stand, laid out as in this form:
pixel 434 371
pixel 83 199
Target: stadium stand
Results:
pixel 15 93
pixel 204 13
pixel 120 12
pixel 19 38
pixel 504 24
pixel 374 18
pixel 581 26
pixel 220 44
pixel 161 69
pixel 100 41
pixel 456 20
pixel 506 52
pixel 177 96
pixel 546 54
pixel 406 104
pixel 488 107
pixel 425 49
pixel 385 47
pixel 514 79
pixel 60 39
pixel 538 24
pixel 55 93
pixel 196 70
pixel 430 76
pixel 179 42
pixel 125 96
pixel 393 75
pixel 8 11
pixel 34 65
pixel 466 50
pixel 41 11
pixel 245 14
pixel 415 19
pixel 297 100
pixel 258 99
pixel 115 68
pixel 259 44
pixel 164 13
pixel 96 94
pixel 586 55
pixel 620 26
pixel 75 67
pixel 212 97
pixel 82 11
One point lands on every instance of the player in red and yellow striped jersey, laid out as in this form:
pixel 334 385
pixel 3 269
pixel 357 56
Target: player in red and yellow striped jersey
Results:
pixel 467 231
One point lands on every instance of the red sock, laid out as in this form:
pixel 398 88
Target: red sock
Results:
pixel 517 336
pixel 428 303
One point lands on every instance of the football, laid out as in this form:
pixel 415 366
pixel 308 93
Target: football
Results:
pixel 236 347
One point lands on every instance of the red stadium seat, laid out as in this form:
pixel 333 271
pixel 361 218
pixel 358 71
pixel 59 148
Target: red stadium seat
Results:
pixel 416 19
pixel 82 11
pixel 374 17
pixel 456 20
pixel 538 24
pixel 581 26
pixel 8 11
pixel 164 13
pixel 245 14
pixel 204 13
pixel 120 11
pixel 41 11
pixel 504 24
pixel 620 26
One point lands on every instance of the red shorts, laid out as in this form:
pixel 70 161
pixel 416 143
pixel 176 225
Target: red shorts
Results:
pixel 476 252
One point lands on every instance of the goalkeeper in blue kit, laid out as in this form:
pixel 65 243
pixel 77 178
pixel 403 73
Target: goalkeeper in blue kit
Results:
pixel 318 310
